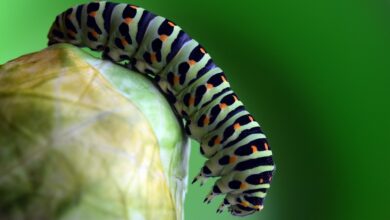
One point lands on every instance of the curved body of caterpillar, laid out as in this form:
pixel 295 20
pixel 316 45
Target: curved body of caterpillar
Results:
pixel 230 138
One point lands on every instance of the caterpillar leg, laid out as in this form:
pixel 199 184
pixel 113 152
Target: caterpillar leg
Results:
pixel 225 204
pixel 224 185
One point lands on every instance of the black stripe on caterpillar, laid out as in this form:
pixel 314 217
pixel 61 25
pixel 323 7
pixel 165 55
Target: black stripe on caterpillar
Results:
pixel 236 148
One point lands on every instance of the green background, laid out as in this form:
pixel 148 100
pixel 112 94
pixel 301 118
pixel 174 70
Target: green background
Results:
pixel 315 74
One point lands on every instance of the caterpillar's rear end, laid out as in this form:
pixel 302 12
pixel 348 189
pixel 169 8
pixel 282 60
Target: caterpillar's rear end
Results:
pixel 233 142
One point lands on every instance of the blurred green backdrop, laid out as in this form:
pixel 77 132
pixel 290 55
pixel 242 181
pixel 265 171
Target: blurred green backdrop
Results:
pixel 315 74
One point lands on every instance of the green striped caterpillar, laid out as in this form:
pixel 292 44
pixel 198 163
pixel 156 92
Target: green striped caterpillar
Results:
pixel 236 148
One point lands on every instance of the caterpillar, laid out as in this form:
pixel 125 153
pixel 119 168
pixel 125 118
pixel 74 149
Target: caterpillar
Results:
pixel 236 148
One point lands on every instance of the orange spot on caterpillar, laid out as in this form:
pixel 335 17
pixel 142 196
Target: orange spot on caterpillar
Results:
pixel 128 20
pixel 270 178
pixel 243 185
pixel 254 148
pixel 176 80
pixel 133 6
pixel 92 14
pixel 153 57
pixel 163 37
pixel 217 140
pixel 94 34
pixel 250 118
pixel 191 62
pixel 202 50
pixel 232 159
pixel 266 146
pixel 261 180
pixel 235 98
pixel 191 101
pixel 209 86
pixel 245 203
pixel 223 78
pixel 222 105
pixel 124 42
pixel 171 23
pixel 206 120
pixel 237 126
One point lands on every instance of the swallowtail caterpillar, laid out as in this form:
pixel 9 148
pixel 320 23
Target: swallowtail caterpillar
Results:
pixel 236 148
